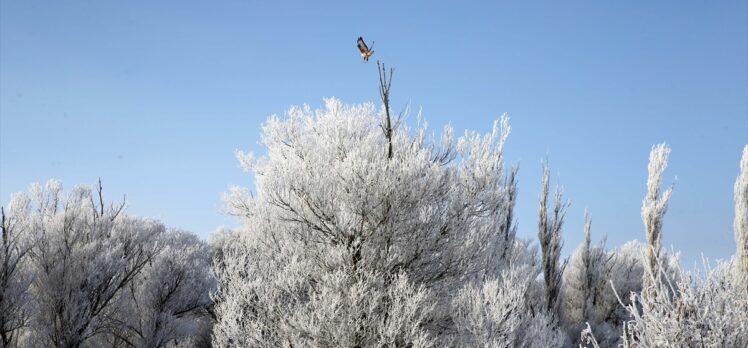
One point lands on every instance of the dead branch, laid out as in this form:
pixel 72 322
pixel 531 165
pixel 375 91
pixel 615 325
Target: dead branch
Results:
pixel 384 93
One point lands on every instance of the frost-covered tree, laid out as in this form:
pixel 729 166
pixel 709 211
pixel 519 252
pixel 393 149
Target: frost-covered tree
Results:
pixel 578 282
pixel 85 256
pixel 95 276
pixel 15 277
pixel 653 211
pixel 168 303
pixel 741 222
pixel 586 296
pixel 335 209
pixel 549 235
pixel 704 310
pixel 277 297
pixel 625 274
pixel 627 267
pixel 588 300
pixel 218 241
pixel 501 313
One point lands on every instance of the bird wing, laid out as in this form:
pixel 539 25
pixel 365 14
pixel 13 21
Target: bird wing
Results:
pixel 362 45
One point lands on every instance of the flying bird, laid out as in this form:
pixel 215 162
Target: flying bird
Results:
pixel 365 51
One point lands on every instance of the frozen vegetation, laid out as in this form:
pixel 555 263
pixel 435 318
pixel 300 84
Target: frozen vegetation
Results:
pixel 77 272
pixel 361 232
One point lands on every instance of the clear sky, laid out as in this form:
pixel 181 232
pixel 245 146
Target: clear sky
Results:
pixel 154 97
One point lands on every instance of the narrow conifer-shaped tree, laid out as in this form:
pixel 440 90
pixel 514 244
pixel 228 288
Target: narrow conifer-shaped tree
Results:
pixel 654 207
pixel 741 222
pixel 577 285
pixel 549 235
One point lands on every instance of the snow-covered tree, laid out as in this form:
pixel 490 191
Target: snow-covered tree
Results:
pixel 85 256
pixel 585 292
pixel 588 300
pixel 577 284
pixel 549 235
pixel 15 277
pixel 653 209
pixel 336 209
pixel 79 273
pixel 499 313
pixel 741 222
pixel 626 272
pixel 627 267
pixel 218 241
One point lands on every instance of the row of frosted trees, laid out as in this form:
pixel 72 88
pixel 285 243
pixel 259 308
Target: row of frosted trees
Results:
pixel 361 232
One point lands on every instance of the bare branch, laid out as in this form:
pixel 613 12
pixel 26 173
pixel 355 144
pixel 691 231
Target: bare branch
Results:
pixel 384 93
pixel 99 190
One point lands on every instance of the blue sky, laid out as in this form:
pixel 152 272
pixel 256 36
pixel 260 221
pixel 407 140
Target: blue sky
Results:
pixel 154 97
